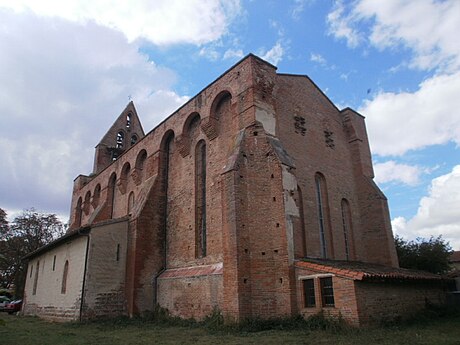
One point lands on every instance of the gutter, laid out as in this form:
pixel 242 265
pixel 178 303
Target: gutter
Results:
pixel 84 272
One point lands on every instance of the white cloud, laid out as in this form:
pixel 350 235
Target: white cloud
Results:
pixel 275 54
pixel 341 25
pixel 233 54
pixel 318 58
pixel 392 171
pixel 429 28
pixel 162 22
pixel 62 86
pixel 209 53
pixel 438 212
pixel 399 122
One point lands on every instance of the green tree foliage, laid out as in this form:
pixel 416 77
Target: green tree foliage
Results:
pixel 430 255
pixel 28 232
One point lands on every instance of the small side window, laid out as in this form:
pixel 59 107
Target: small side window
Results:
pixel 309 293
pixel 327 291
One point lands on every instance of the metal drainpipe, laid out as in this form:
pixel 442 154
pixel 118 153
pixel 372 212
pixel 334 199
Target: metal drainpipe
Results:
pixel 84 271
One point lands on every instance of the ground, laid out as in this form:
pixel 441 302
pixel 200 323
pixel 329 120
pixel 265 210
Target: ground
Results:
pixel 16 330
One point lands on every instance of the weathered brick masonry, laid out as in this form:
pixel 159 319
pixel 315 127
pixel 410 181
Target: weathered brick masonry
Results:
pixel 217 205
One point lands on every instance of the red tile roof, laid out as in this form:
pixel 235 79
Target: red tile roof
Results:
pixel 455 256
pixel 193 271
pixel 363 271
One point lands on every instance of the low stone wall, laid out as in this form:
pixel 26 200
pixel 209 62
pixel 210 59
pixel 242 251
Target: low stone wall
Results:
pixel 388 301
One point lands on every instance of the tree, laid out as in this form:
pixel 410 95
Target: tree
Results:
pixel 28 232
pixel 430 255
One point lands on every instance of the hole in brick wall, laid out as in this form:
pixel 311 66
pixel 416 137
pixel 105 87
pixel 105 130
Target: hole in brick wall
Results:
pixel 273 176
pixel 291 192
pixel 274 198
pixel 263 253
pixel 189 284
pixel 244 155
pixel 241 176
pixel 242 225
pixel 276 251
pixel 255 134
pixel 246 250
pixel 277 225
pixel 245 280
pixel 281 280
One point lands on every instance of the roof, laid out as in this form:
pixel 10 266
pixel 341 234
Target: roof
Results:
pixel 82 231
pixel 193 271
pixel 66 237
pixel 455 256
pixel 362 271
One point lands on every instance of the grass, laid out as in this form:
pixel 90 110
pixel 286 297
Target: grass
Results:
pixel 161 329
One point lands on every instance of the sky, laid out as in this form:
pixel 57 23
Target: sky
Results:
pixel 68 69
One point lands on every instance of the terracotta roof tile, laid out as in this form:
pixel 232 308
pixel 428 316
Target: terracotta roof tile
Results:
pixel 193 271
pixel 455 256
pixel 364 271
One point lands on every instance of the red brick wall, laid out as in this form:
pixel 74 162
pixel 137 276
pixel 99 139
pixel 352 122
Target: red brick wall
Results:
pixel 344 297
pixel 386 301
pixel 254 224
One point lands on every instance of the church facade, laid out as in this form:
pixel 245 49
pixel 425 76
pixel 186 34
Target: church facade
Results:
pixel 255 198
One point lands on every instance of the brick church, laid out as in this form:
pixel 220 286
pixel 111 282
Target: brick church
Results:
pixel 255 198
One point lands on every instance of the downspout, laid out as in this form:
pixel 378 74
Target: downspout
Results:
pixel 80 232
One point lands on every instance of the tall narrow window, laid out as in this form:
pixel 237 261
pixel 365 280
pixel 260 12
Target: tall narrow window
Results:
pixel 200 199
pixel 302 221
pixel 130 202
pixel 78 213
pixel 347 228
pixel 118 252
pixel 65 273
pixel 309 293
pixel 327 291
pixel 111 193
pixel 128 120
pixel 54 263
pixel 167 148
pixel 321 199
pixel 31 270
pixel 37 268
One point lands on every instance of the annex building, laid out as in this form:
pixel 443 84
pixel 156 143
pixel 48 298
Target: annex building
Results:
pixel 256 197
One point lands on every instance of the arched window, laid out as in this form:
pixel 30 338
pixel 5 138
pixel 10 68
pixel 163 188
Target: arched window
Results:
pixel 192 125
pixel 130 202
pixel 65 273
pixel 87 203
pixel 111 194
pixel 125 171
pixel 120 139
pixel 221 104
pixel 78 213
pixel 133 139
pixel 167 147
pixel 96 195
pixel 128 120
pixel 323 214
pixel 347 229
pixel 140 160
pixel 200 199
